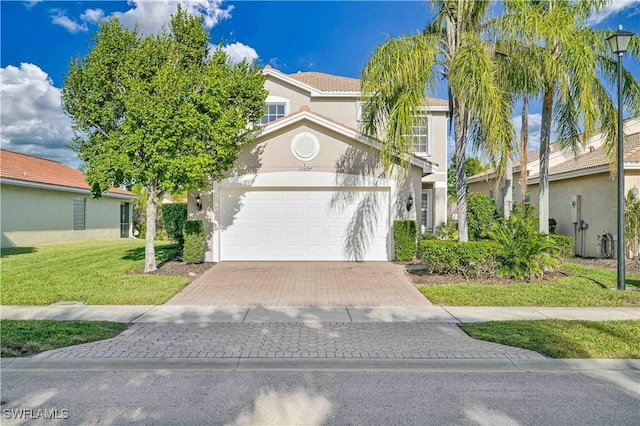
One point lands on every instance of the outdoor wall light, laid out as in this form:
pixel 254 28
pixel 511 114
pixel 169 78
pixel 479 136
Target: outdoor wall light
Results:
pixel 409 202
pixel 198 202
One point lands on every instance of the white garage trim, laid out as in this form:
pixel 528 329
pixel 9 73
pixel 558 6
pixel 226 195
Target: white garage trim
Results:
pixel 250 217
pixel 304 224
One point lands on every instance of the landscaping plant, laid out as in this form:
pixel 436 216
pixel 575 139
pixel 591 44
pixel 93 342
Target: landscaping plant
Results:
pixel 193 248
pixel 471 259
pixel 405 236
pixel 481 214
pixel 524 252
pixel 174 216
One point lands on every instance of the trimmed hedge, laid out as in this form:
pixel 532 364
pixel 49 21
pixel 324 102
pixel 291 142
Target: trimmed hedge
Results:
pixel 405 236
pixel 481 215
pixel 193 249
pixel 565 245
pixel 174 216
pixel 471 259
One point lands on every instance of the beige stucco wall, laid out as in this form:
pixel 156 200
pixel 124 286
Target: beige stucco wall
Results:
pixel 346 162
pixel 342 110
pixel 31 216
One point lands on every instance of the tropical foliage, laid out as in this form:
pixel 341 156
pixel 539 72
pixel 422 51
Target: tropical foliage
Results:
pixel 159 110
pixel 554 54
pixel 402 70
pixel 524 252
pixel 632 223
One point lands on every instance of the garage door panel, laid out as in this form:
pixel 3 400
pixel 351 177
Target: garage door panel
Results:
pixel 302 225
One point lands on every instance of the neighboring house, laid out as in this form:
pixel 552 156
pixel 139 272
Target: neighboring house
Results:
pixel 311 186
pixel 43 201
pixel 582 189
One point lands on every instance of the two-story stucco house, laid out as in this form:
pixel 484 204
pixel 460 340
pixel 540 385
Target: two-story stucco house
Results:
pixel 311 186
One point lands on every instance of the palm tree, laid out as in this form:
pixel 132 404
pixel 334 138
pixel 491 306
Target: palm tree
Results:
pixel 575 65
pixel 402 70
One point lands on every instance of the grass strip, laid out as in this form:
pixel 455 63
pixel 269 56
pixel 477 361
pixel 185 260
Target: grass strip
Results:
pixel 28 337
pixel 585 287
pixel 563 338
pixel 97 272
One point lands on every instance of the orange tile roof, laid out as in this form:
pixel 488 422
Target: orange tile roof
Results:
pixel 598 157
pixel 333 83
pixel 28 168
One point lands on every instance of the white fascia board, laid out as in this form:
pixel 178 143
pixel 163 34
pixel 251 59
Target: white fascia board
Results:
pixel 426 166
pixel 38 185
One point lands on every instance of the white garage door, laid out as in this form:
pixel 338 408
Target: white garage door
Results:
pixel 304 225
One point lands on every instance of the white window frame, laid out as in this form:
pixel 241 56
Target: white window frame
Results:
pixel 428 226
pixel 427 152
pixel 274 101
pixel 359 110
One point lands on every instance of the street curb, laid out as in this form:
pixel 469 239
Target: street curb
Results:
pixel 319 364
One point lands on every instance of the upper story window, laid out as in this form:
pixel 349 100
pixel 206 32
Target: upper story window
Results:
pixel 276 107
pixel 420 136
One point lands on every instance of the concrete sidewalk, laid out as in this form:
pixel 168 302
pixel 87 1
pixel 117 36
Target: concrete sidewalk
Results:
pixel 355 314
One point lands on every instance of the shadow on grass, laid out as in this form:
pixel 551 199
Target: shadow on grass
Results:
pixel 15 251
pixel 633 281
pixel 163 253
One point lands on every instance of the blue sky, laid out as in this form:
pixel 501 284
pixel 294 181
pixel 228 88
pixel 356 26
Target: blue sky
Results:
pixel 38 39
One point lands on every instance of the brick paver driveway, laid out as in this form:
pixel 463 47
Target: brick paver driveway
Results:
pixel 302 284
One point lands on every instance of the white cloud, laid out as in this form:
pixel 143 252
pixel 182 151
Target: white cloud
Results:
pixel 92 15
pixel 152 15
pixel 534 124
pixel 238 51
pixel 32 120
pixel 276 63
pixel 612 9
pixel 32 3
pixel 59 17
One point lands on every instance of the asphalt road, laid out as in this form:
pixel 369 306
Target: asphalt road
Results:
pixel 323 397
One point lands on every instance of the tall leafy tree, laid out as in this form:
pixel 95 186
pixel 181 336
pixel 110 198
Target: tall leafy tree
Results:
pixel 159 111
pixel 402 70
pixel 473 166
pixel 572 66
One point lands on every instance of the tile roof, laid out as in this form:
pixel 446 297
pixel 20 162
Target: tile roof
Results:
pixel 598 157
pixel 28 168
pixel 327 82
pixel 333 83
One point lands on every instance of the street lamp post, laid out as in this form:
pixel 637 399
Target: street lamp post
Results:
pixel 619 42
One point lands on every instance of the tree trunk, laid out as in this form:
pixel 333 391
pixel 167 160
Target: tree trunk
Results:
pixel 545 136
pixel 506 192
pixel 460 131
pixel 152 212
pixel 524 145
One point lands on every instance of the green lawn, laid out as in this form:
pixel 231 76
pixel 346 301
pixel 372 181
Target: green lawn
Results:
pixel 94 272
pixel 585 287
pixel 564 339
pixel 24 338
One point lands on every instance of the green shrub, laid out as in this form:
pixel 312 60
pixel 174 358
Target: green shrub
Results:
pixel 448 231
pixel 481 214
pixel 174 216
pixel 564 244
pixel 524 252
pixel 552 225
pixel 405 237
pixel 193 249
pixel 471 259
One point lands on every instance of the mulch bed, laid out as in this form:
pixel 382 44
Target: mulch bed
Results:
pixel 421 277
pixel 183 269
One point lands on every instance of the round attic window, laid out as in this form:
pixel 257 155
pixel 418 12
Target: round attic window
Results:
pixel 305 146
